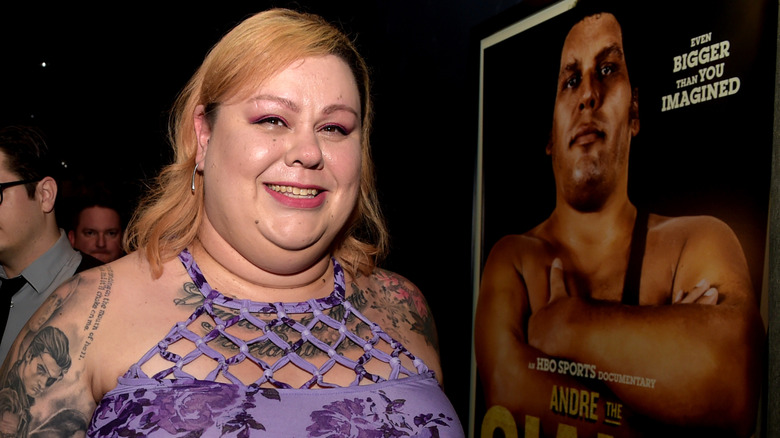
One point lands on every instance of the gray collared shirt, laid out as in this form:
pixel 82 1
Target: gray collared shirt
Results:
pixel 43 276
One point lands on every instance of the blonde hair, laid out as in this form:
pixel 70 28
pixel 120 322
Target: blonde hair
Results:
pixel 264 44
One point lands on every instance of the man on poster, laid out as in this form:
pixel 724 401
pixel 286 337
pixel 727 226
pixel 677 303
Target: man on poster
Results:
pixel 643 323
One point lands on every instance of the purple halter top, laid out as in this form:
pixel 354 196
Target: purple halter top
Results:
pixel 173 403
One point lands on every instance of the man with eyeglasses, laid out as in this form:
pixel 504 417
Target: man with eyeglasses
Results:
pixel 35 254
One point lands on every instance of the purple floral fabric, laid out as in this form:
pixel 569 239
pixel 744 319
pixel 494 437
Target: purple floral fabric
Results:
pixel 172 403
pixel 410 407
pixel 373 417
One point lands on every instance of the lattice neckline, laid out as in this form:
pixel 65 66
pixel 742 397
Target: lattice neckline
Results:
pixel 248 310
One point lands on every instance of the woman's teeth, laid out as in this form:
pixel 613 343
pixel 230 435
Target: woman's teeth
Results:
pixel 294 192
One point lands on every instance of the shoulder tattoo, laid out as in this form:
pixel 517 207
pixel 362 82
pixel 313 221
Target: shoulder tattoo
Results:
pixel 44 356
pixel 403 306
pixel 100 301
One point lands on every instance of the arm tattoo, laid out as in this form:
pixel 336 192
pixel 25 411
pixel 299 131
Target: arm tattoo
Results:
pixel 404 307
pixel 53 303
pixel 44 359
pixel 43 365
pixel 99 305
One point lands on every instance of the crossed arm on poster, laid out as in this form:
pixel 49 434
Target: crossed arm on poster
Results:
pixel 548 332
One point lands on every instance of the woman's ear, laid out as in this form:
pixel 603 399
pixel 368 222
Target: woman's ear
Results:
pixel 202 133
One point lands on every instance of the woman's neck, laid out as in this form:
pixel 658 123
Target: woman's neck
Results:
pixel 233 275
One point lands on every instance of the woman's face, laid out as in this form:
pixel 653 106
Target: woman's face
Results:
pixel 282 168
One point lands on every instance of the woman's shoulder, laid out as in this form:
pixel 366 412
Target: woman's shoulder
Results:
pixel 83 303
pixel 93 300
pixel 396 299
pixel 399 307
pixel 384 279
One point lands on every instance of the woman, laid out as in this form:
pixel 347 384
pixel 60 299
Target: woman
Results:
pixel 252 304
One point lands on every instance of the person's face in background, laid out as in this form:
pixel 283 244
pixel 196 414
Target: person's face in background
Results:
pixel 98 233
pixel 593 120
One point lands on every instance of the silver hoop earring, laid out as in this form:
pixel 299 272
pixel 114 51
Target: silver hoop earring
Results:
pixel 193 177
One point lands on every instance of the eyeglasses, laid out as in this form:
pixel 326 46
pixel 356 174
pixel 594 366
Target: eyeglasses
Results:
pixel 5 185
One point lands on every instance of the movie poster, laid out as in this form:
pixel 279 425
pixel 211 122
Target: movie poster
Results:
pixel 622 195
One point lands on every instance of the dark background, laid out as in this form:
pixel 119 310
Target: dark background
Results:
pixel 112 74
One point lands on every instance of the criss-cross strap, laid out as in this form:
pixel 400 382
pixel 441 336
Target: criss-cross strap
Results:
pixel 312 318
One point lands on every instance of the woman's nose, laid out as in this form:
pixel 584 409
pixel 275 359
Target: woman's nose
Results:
pixel 305 151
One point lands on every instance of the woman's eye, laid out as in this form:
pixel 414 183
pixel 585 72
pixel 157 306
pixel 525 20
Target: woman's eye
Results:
pixel 607 70
pixel 338 129
pixel 272 120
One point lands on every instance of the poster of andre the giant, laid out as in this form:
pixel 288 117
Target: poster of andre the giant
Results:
pixel 621 219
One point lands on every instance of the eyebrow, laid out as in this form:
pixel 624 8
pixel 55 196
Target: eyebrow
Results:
pixel 45 367
pixel 280 100
pixel 330 109
pixel 42 366
pixel 606 52
pixel 611 50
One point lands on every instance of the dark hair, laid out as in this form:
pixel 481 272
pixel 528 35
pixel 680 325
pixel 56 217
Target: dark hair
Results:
pixel 9 401
pixel 27 154
pixel 587 8
pixel 53 341
pixel 95 198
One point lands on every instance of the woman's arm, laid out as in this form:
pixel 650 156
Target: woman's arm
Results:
pixel 46 378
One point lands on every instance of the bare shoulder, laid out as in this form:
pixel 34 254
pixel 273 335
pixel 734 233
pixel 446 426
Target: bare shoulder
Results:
pixel 689 226
pixel 75 346
pixel 400 304
pixel 80 308
pixel 89 310
pixel 45 371
pixel 518 246
pixel 85 300
pixel 694 235
pixel 400 309
pixel 526 255
pixel 703 248
pixel 515 273
pixel 61 307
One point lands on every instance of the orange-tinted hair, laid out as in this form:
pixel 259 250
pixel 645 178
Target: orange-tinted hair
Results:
pixel 264 44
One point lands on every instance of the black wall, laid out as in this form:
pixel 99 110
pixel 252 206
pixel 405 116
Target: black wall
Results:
pixel 111 76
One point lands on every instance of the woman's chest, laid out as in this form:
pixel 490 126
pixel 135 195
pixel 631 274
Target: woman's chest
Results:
pixel 185 334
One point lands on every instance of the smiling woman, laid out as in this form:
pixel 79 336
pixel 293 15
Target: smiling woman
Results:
pixel 252 288
pixel 286 138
